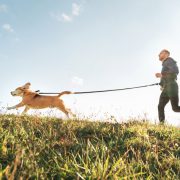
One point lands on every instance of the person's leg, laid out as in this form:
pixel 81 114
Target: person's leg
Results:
pixel 163 100
pixel 174 103
pixel 173 96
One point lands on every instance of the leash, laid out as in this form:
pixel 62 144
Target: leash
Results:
pixel 108 90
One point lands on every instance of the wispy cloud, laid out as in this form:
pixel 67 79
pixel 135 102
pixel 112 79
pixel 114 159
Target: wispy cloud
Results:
pixel 64 17
pixel 3 8
pixel 8 28
pixel 76 9
pixel 77 81
pixel 61 17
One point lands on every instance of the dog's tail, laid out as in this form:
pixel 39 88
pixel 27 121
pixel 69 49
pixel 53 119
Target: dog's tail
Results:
pixel 65 92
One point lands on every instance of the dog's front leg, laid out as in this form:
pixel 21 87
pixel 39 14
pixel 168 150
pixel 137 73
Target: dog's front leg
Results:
pixel 25 110
pixel 16 106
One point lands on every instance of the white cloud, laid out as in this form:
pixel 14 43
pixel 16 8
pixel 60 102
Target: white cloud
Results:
pixel 64 17
pixel 61 17
pixel 3 8
pixel 76 9
pixel 77 81
pixel 8 28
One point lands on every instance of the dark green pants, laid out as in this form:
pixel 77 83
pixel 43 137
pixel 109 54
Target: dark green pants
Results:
pixel 169 93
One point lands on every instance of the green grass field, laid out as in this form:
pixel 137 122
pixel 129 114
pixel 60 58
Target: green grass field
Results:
pixel 49 148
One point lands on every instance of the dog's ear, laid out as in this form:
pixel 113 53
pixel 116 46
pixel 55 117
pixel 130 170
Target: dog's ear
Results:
pixel 27 85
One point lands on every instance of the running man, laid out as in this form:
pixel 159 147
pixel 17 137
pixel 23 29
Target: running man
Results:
pixel 168 84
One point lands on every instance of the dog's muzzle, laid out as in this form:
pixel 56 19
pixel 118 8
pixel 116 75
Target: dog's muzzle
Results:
pixel 13 94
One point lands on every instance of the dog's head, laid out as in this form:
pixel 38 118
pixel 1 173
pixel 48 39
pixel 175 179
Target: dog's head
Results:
pixel 21 90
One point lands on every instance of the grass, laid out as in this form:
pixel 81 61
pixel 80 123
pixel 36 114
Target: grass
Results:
pixel 49 148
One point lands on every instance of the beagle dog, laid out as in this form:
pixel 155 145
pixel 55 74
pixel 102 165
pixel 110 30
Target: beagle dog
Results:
pixel 33 100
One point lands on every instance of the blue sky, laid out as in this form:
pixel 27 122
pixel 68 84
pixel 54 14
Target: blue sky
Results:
pixel 89 45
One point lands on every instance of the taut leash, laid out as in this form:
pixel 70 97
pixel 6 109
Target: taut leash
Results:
pixel 107 90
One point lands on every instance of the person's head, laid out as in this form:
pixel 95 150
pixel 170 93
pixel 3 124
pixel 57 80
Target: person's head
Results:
pixel 164 54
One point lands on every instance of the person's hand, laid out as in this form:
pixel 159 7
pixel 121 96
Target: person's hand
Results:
pixel 158 75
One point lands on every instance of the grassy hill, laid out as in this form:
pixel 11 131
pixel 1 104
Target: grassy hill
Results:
pixel 49 148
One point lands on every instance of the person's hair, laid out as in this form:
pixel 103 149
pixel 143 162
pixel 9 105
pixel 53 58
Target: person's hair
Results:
pixel 166 51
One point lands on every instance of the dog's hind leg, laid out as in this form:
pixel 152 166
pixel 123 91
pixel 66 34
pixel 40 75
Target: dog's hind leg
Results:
pixel 70 112
pixel 64 111
pixel 62 108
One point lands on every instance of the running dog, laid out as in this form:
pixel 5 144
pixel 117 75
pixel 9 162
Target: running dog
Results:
pixel 33 100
